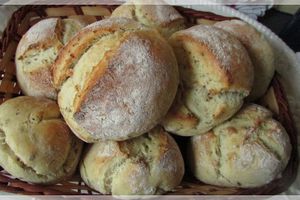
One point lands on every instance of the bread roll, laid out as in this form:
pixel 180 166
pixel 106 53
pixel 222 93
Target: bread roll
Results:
pixel 146 165
pixel 250 150
pixel 216 75
pixel 260 52
pixel 153 13
pixel 37 51
pixel 117 79
pixel 36 144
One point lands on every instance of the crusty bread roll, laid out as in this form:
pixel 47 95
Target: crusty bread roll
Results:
pixel 36 144
pixel 260 52
pixel 216 74
pixel 249 150
pixel 37 51
pixel 154 13
pixel 118 79
pixel 146 165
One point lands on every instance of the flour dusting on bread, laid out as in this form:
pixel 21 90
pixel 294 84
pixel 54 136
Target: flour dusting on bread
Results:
pixel 223 46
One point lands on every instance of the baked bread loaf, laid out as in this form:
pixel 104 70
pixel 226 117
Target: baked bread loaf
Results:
pixel 216 75
pixel 249 150
pixel 155 14
pixel 146 165
pixel 117 80
pixel 36 144
pixel 37 51
pixel 260 52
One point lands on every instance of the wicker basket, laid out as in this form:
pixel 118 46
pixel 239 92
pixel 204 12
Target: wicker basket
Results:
pixel 26 16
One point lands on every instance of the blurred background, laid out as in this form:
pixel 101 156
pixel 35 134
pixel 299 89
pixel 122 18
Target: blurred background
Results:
pixel 284 20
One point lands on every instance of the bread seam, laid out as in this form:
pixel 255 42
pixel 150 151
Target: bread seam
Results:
pixel 32 169
pixel 44 118
pixel 264 144
pixel 74 142
pixel 85 173
pixel 91 42
pixel 110 175
pixel 96 71
pixel 44 43
pixel 257 138
pixel 75 60
pixel 198 117
pixel 219 171
pixel 135 17
pixel 17 159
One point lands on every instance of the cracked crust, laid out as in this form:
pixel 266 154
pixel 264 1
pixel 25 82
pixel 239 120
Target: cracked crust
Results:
pixel 117 80
pixel 250 150
pixel 146 165
pixel 36 145
pixel 216 76
pixel 160 16
pixel 37 51
pixel 260 52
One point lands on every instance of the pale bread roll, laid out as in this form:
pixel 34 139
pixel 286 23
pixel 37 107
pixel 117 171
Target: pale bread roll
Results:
pixel 37 51
pixel 260 52
pixel 146 165
pixel 117 80
pixel 249 150
pixel 36 144
pixel 153 13
pixel 216 75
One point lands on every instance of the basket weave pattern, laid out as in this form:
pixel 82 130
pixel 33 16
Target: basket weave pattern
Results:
pixel 26 16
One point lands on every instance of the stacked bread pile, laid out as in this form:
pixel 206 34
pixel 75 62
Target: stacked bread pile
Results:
pixel 124 85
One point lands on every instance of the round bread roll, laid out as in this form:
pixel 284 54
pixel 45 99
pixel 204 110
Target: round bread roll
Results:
pixel 36 144
pixel 154 14
pixel 250 150
pixel 117 80
pixel 260 52
pixel 146 165
pixel 216 74
pixel 37 51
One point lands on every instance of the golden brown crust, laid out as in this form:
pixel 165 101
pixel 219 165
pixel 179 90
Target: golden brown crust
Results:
pixel 122 84
pixel 37 51
pixel 260 52
pixel 40 36
pixel 249 150
pixel 157 15
pixel 148 164
pixel 216 75
pixel 33 72
pixel 234 70
pixel 70 54
pixel 43 77
pixel 37 146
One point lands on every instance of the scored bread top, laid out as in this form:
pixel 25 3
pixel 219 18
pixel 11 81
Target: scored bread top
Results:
pixel 260 52
pixel 228 64
pixel 249 150
pixel 72 52
pixel 216 75
pixel 117 79
pixel 47 33
pixel 149 164
pixel 36 144
pixel 37 51
pixel 41 35
pixel 156 14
